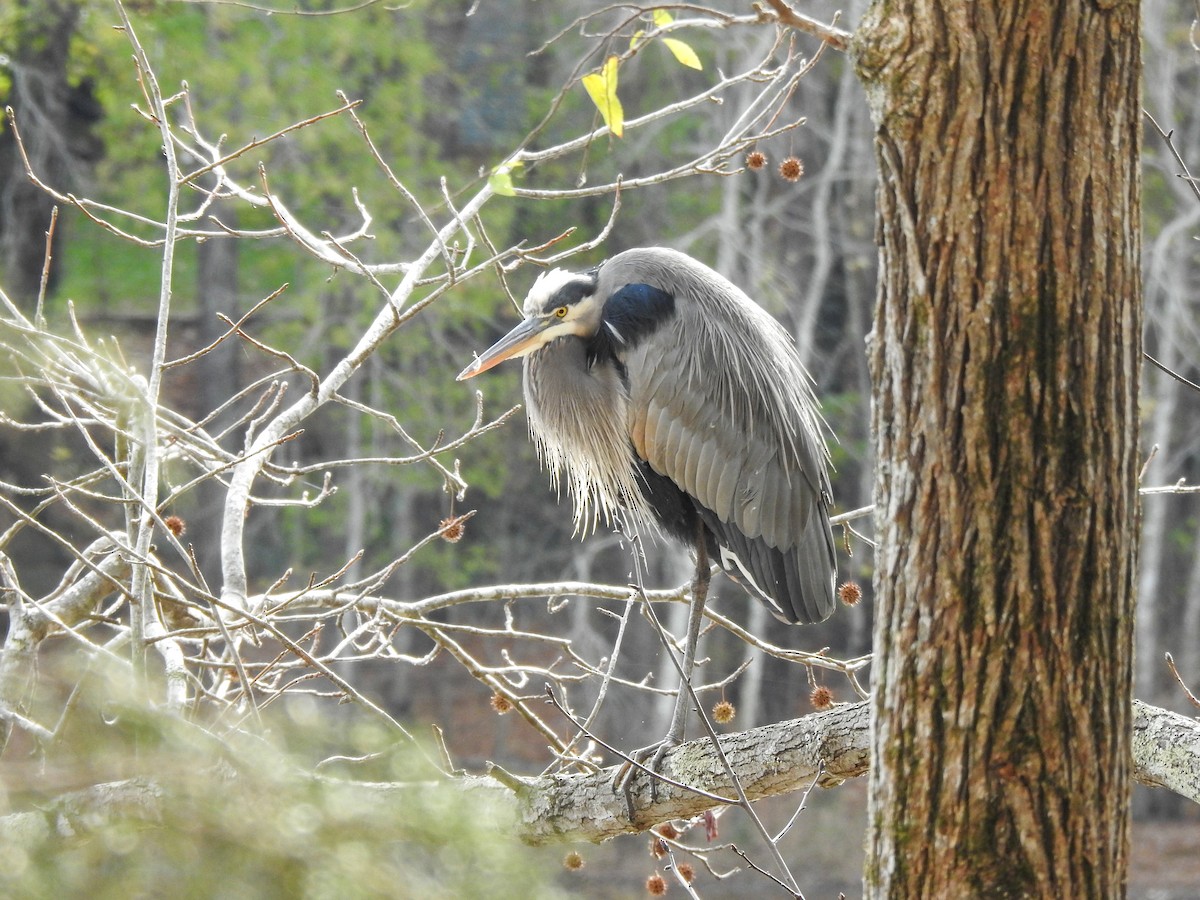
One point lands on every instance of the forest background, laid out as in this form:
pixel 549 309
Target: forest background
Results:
pixel 447 91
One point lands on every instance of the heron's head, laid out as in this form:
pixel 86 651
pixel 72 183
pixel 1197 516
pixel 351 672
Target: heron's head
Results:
pixel 560 303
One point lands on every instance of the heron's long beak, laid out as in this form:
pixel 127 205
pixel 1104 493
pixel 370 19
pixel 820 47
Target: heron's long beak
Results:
pixel 523 339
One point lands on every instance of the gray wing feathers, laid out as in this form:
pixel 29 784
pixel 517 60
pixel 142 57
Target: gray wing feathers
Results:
pixel 726 484
pixel 720 404
pixel 802 579
pixel 773 513
pixel 764 485
pixel 709 467
pixel 814 572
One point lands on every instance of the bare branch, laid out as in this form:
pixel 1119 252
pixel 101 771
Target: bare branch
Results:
pixel 784 14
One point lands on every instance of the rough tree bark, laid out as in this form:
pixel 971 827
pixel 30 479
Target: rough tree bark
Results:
pixel 1005 359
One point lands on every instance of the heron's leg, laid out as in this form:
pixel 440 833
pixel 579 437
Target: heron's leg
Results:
pixel 683 700
pixel 651 757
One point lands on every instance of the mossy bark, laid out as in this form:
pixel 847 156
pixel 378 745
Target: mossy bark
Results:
pixel 1005 358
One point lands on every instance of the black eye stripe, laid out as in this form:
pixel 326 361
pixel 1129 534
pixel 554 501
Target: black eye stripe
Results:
pixel 570 293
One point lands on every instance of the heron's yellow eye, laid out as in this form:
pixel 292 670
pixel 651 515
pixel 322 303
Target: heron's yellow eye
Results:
pixel 561 312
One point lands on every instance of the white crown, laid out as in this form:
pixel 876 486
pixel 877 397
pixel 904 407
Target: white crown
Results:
pixel 546 286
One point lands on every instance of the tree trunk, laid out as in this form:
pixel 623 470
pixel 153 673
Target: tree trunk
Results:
pixel 55 119
pixel 1005 359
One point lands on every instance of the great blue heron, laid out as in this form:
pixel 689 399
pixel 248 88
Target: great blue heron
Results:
pixel 660 392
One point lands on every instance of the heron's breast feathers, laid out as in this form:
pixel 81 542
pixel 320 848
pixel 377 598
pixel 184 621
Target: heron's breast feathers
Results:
pixel 582 438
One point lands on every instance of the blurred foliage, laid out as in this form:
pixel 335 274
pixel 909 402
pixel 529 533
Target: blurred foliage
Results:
pixel 244 816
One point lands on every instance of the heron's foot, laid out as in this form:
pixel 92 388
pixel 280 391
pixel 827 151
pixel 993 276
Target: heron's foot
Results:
pixel 647 758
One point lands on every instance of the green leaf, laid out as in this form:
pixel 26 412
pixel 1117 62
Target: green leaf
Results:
pixel 683 52
pixel 501 179
pixel 602 88
pixel 501 182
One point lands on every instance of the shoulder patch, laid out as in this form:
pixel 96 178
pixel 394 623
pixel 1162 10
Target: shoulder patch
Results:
pixel 635 311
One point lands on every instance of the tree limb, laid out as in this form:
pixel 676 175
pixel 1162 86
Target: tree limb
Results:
pixel 771 760
pixel 783 13
pixel 778 759
pixel 1166 750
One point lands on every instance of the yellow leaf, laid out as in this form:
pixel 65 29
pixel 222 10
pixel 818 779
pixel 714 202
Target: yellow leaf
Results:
pixel 683 52
pixel 661 18
pixel 602 88
pixel 636 39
